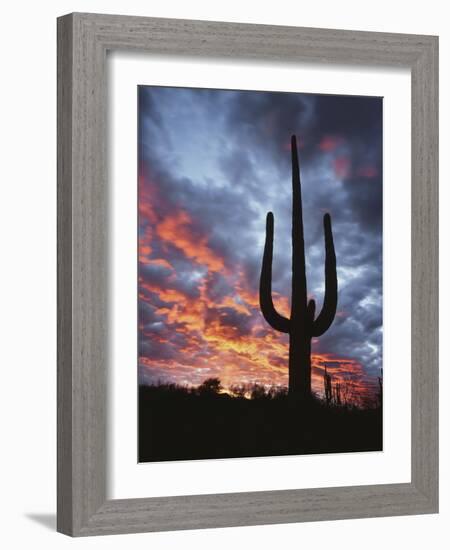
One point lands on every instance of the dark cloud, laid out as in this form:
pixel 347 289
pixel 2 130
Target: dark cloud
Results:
pixel 229 317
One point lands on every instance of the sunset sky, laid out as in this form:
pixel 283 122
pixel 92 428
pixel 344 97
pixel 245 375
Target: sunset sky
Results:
pixel 212 163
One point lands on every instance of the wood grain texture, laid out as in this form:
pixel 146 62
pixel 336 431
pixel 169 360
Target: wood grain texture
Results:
pixel 64 252
pixel 424 279
pixel 83 40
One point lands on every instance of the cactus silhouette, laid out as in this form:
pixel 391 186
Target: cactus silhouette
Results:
pixel 327 383
pixel 302 326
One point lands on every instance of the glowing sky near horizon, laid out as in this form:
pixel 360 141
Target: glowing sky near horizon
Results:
pixel 212 163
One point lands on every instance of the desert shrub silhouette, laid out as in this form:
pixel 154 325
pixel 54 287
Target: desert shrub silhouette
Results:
pixel 211 386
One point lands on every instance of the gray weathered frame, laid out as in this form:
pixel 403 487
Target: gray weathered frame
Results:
pixel 83 40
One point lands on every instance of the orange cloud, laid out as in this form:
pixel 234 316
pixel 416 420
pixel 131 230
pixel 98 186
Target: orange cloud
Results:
pixel 177 230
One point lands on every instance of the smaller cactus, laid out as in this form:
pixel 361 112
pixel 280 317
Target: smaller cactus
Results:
pixel 380 391
pixel 337 393
pixel 328 387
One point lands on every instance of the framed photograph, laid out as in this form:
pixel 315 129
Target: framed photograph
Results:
pixel 247 274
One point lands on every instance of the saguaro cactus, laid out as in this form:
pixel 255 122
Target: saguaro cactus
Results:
pixel 301 326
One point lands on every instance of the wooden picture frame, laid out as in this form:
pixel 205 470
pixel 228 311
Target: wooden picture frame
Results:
pixel 83 41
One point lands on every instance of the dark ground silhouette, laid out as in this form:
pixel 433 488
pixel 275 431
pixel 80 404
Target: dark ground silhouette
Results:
pixel 179 423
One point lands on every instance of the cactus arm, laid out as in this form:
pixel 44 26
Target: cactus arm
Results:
pixel 275 320
pixel 326 316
